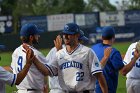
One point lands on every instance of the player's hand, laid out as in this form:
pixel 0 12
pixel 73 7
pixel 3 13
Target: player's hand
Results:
pixel 137 50
pixel 107 52
pixel 136 54
pixel 58 42
pixel 45 88
pixel 29 53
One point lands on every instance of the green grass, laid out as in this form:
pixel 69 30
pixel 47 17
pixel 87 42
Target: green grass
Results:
pixel 122 47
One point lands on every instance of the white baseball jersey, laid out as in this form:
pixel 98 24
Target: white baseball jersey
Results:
pixel 6 78
pixel 75 70
pixel 34 78
pixel 53 81
pixel 135 71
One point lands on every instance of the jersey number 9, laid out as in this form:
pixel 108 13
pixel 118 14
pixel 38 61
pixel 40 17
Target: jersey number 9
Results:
pixel 20 59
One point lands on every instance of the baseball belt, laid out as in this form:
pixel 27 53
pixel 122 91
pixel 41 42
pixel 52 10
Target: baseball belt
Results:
pixel 85 91
pixel 32 90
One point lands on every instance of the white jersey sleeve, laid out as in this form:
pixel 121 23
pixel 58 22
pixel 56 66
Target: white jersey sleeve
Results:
pixel 53 81
pixel 7 77
pixel 128 56
pixel 52 66
pixel 94 63
pixel 51 54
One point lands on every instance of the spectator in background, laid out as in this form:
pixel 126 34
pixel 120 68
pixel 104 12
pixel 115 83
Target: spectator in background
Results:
pixel 114 63
pixel 133 77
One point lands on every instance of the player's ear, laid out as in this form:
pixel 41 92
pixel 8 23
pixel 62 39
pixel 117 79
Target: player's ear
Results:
pixel 31 37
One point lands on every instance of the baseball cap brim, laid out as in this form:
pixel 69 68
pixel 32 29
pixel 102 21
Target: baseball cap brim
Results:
pixel 70 33
pixel 39 31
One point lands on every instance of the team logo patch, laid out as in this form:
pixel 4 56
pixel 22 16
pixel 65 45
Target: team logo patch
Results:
pixel 97 64
pixel 66 27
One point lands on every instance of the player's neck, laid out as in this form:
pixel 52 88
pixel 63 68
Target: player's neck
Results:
pixel 71 48
pixel 29 44
pixel 109 42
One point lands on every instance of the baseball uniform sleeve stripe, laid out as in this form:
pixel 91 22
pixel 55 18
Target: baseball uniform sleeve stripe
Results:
pixel 14 80
pixel 97 71
pixel 124 63
pixel 50 70
pixel 11 68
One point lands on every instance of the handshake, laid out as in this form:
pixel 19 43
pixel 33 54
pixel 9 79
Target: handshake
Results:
pixel 29 53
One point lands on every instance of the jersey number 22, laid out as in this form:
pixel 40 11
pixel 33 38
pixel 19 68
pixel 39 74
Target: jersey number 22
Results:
pixel 79 76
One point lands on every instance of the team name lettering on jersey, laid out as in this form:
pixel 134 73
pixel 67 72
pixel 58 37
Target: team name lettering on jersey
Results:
pixel 71 64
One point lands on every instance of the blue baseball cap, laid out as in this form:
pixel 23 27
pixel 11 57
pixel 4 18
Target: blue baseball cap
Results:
pixel 2 47
pixel 108 31
pixel 29 29
pixel 71 28
pixel 82 36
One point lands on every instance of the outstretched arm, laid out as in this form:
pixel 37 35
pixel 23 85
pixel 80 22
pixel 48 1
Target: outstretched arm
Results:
pixel 21 75
pixel 7 68
pixel 129 66
pixel 46 88
pixel 101 79
pixel 41 67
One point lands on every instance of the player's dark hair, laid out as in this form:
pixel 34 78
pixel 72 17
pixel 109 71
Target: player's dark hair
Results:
pixel 24 39
pixel 108 37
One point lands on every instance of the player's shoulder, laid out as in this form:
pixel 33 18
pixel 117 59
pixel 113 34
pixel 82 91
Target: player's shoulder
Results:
pixel 53 49
pixel 114 50
pixel 96 45
pixel 83 47
pixel 63 50
pixel 86 49
pixel 36 52
pixel 133 45
pixel 19 48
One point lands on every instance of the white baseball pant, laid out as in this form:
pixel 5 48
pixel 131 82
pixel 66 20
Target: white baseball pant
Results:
pixel 133 85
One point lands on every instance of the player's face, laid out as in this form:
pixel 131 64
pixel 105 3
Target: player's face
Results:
pixel 70 39
pixel 35 39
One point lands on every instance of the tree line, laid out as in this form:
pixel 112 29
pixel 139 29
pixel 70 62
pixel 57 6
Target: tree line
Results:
pixel 18 8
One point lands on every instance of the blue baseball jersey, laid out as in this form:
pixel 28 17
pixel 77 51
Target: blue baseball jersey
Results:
pixel 112 67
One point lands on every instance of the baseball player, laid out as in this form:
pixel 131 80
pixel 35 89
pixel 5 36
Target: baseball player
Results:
pixel 11 79
pixel 133 77
pixel 34 81
pixel 53 81
pixel 114 64
pixel 76 65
